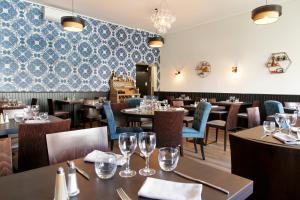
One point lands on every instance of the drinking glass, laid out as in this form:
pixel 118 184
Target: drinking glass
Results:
pixel 147 144
pixel 280 120
pixel 291 120
pixel 127 145
pixel 35 111
pixel 168 158
pixel 19 117
pixel 269 127
pixel 43 116
pixel 106 166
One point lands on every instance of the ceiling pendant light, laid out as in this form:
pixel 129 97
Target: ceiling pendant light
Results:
pixel 156 42
pixel 266 14
pixel 72 23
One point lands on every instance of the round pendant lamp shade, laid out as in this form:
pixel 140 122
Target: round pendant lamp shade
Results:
pixel 156 42
pixel 72 23
pixel 266 14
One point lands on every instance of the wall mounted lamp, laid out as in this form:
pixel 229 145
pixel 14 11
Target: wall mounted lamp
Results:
pixel 234 69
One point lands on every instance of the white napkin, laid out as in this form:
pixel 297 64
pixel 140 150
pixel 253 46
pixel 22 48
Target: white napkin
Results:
pixel 178 109
pixel 287 139
pixel 95 155
pixel 130 109
pixel 169 190
pixel 35 121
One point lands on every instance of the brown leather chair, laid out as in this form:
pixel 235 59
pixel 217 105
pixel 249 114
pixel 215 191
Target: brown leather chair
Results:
pixel 186 119
pixel 253 117
pixel 5 157
pixel 168 128
pixel 229 125
pixel 255 103
pixel 273 168
pixel 52 111
pixel 79 144
pixel 212 100
pixel 32 143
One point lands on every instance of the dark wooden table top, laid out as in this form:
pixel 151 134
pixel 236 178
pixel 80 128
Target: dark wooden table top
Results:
pixel 12 126
pixel 213 107
pixel 257 134
pixel 228 103
pixel 134 112
pixel 39 183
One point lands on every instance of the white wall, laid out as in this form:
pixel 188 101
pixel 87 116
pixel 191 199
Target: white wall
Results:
pixel 234 41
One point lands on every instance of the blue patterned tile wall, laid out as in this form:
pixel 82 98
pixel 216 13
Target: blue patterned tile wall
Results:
pixel 37 55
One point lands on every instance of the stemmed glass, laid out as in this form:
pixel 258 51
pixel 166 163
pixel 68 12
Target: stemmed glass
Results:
pixel 269 127
pixel 291 120
pixel 35 111
pixel 127 145
pixel 147 144
pixel 280 120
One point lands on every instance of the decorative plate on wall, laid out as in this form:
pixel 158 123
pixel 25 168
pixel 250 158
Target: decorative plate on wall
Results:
pixel 278 63
pixel 203 69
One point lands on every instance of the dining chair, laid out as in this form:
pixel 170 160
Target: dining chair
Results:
pixel 34 101
pixel 168 128
pixel 229 125
pixel 133 102
pixel 114 131
pixel 32 143
pixel 177 103
pixel 120 118
pixel 5 157
pixel 79 144
pixel 212 100
pixel 253 117
pixel 198 129
pixel 244 115
pixel 272 107
pixel 53 111
pixel 89 115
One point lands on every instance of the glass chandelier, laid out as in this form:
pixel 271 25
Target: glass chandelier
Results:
pixel 162 18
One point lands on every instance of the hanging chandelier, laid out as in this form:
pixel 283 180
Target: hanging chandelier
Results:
pixel 162 18
pixel 72 23
pixel 266 14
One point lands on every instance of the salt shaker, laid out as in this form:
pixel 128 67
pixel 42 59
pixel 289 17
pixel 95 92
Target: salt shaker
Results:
pixel 72 181
pixel 61 192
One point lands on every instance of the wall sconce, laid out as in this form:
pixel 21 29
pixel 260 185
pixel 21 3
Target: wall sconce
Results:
pixel 234 69
pixel 177 73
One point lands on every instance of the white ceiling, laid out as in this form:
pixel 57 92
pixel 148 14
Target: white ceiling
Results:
pixel 136 13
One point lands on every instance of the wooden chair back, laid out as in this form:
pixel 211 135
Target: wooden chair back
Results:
pixel 5 157
pixel 256 103
pixel 232 118
pixel 32 143
pixel 79 144
pixel 253 117
pixel 273 168
pixel 50 106
pixel 177 103
pixel 34 101
pixel 212 100
pixel 168 128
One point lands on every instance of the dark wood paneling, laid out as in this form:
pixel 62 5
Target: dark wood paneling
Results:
pixel 242 97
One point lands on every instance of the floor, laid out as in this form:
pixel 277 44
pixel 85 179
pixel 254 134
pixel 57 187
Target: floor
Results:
pixel 214 152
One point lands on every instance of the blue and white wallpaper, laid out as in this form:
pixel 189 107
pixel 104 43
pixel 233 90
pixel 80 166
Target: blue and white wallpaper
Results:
pixel 37 55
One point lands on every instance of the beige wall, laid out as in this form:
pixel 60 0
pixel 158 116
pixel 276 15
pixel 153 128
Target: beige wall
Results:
pixel 234 41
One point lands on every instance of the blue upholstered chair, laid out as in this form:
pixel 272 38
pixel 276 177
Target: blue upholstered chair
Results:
pixel 199 124
pixel 133 102
pixel 273 107
pixel 114 131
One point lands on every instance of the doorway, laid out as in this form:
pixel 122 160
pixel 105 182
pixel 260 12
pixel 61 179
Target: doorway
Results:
pixel 146 79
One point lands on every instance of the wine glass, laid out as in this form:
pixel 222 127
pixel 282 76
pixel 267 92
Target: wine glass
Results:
pixel 147 144
pixel 280 120
pixel 269 127
pixel 127 145
pixel 35 111
pixel 291 120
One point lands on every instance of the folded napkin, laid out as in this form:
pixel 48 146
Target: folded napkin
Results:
pixel 35 121
pixel 130 109
pixel 95 156
pixel 178 109
pixel 287 139
pixel 295 129
pixel 168 190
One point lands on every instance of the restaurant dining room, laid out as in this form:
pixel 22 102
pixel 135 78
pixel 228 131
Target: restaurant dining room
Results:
pixel 139 99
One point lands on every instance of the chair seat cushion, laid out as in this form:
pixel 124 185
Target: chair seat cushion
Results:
pixel 188 119
pixel 190 133
pixel 217 123
pixel 242 115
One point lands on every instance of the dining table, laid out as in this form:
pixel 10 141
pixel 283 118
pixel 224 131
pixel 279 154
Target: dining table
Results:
pixel 138 113
pixel 11 107
pixel 40 183
pixel 12 127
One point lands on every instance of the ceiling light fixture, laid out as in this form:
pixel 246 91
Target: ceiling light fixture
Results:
pixel 156 42
pixel 266 14
pixel 72 23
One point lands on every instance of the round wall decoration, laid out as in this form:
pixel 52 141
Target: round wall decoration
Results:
pixel 203 69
